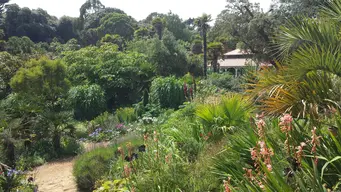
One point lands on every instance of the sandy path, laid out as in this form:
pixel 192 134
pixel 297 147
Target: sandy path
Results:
pixel 57 176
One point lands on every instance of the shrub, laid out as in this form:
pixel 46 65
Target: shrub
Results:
pixel 88 101
pixel 91 167
pixel 229 113
pixel 126 115
pixel 106 121
pixel 27 162
pixel 225 81
pixel 71 147
pixel 167 92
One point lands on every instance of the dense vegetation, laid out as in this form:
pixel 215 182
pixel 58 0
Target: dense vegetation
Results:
pixel 154 90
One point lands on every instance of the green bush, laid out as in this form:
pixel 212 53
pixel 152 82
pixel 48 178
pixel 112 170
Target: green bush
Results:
pixel 225 81
pixel 231 112
pixel 167 92
pixel 91 167
pixel 126 115
pixel 27 162
pixel 106 121
pixel 71 147
pixel 88 101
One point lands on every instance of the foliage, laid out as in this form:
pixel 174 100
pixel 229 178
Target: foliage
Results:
pixel 231 113
pixel 114 39
pixel 293 7
pixel 246 22
pixel 91 166
pixel 20 45
pixel 215 51
pixel 41 78
pixel 225 81
pixel 37 24
pixel 304 166
pixel 202 24
pixel 8 67
pixel 176 25
pixel 308 76
pixel 66 28
pixel 126 115
pixel 88 101
pixel 167 92
pixel 12 180
pixel 167 55
pixel 122 76
pixel 115 23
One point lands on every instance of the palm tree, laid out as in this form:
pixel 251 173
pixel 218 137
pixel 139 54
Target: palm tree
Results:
pixel 215 50
pixel 202 24
pixel 308 78
pixel 159 25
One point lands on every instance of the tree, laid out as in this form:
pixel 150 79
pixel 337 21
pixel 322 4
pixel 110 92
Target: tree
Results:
pixel 89 37
pixel 197 45
pixel 2 5
pixel 142 32
pixel 93 20
pixel 90 7
pixel 20 45
pixel 66 28
pixel 308 78
pixel 115 23
pixel 38 25
pixel 159 25
pixel 246 22
pixel 167 55
pixel 43 83
pixel 286 9
pixel 202 24
pixel 114 39
pixel 175 25
pixel 9 65
pixel 42 79
pixel 215 50
pixel 122 75
pixel 149 19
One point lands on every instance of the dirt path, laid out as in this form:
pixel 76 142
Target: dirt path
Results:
pixel 57 176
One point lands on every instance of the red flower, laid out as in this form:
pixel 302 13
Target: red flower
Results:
pixel 185 89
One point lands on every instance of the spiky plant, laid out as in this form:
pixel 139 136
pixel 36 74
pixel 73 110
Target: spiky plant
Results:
pixel 308 77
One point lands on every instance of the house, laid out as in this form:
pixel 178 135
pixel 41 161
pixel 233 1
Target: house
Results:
pixel 235 61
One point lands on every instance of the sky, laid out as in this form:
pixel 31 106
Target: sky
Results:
pixel 139 9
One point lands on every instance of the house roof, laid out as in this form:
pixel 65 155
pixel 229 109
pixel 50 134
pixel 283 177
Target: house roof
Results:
pixel 237 52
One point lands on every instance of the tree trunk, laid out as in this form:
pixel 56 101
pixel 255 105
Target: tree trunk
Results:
pixel 159 32
pixel 215 65
pixel 205 53
pixel 10 152
pixel 56 142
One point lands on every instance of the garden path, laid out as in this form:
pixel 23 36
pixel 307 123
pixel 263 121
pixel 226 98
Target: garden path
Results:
pixel 57 176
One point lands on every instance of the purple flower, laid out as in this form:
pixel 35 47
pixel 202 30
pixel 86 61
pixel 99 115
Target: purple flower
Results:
pixel 82 139
pixel 94 134
pixel 12 172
